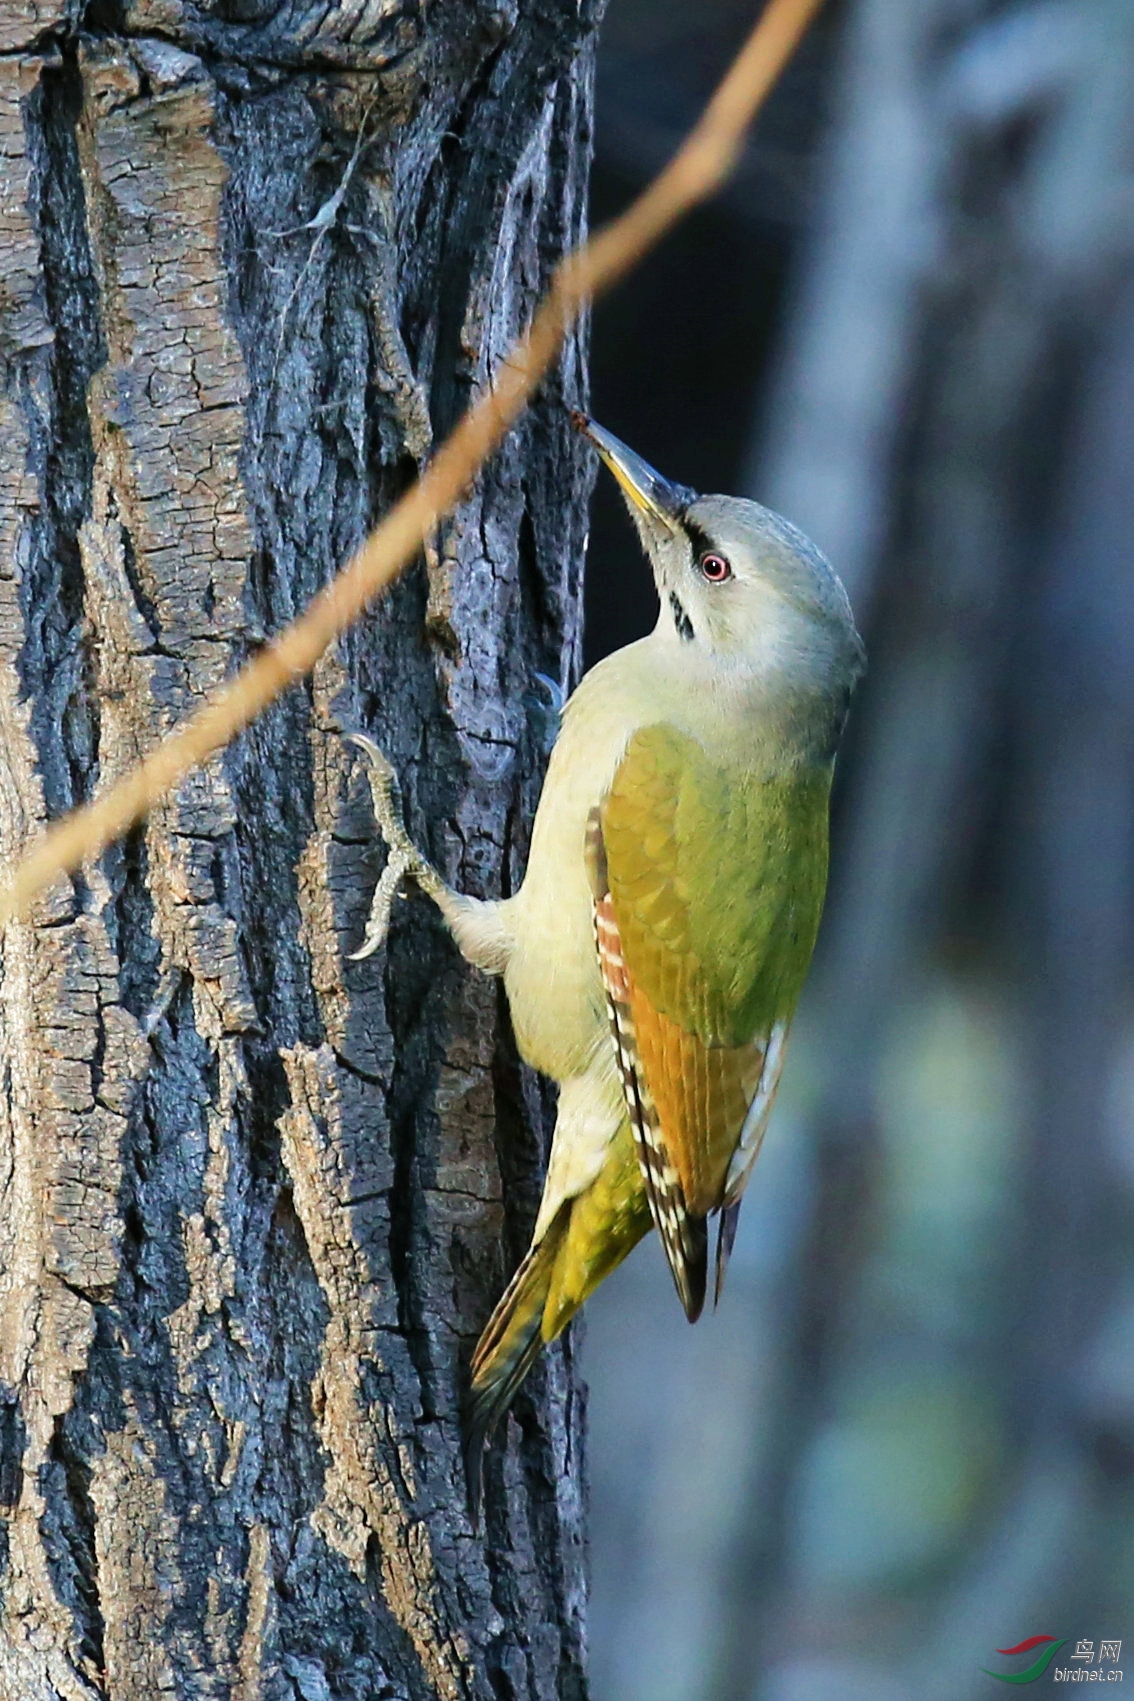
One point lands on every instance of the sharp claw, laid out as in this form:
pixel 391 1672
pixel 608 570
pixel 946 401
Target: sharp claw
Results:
pixel 544 701
pixel 403 856
pixel 555 694
pixel 385 792
pixel 378 762
pixel 384 788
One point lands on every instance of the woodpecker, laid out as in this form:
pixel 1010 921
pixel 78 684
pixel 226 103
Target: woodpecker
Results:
pixel 655 952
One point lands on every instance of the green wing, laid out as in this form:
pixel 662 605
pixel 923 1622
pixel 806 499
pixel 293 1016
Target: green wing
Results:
pixel 717 881
pixel 708 887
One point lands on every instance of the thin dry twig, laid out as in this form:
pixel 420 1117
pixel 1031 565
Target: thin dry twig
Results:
pixel 701 165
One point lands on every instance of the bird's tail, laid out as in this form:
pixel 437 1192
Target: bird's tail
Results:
pixel 586 1238
pixel 508 1347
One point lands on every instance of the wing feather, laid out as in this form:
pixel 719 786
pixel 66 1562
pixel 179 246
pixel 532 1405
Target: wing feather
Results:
pixel 682 1235
pixel 707 891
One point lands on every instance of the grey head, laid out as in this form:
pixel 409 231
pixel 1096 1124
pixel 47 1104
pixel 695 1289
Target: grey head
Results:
pixel 736 582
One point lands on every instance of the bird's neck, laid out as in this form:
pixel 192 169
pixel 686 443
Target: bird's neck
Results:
pixel 753 712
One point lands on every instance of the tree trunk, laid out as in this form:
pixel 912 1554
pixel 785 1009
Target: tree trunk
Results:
pixel 255 1201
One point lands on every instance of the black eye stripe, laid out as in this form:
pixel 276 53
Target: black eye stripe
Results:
pixel 698 537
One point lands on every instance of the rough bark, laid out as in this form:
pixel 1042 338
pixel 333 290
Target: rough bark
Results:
pixel 255 1202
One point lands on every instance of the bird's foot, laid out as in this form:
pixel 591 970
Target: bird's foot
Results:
pixel 550 691
pixel 404 860
pixel 544 700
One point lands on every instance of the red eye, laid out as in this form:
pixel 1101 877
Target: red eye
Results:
pixel 715 568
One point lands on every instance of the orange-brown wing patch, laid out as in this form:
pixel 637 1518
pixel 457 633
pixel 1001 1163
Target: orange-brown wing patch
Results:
pixel 701 1094
pixel 681 1231
pixel 708 883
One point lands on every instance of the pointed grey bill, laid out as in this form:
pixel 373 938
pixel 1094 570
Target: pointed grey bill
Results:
pixel 643 486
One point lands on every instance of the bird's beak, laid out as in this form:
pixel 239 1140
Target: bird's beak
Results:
pixel 642 486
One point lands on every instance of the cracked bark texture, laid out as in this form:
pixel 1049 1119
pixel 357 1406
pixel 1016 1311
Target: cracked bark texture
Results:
pixel 256 1202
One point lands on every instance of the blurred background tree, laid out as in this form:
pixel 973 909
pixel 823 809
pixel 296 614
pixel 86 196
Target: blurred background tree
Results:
pixel 907 1437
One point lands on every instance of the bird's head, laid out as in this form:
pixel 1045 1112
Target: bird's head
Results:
pixel 736 580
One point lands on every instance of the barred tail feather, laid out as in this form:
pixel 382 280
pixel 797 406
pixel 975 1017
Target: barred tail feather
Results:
pixel 507 1349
